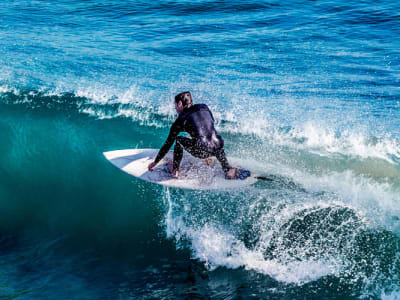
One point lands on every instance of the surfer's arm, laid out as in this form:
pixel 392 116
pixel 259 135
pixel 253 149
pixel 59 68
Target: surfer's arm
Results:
pixel 173 133
pixel 212 117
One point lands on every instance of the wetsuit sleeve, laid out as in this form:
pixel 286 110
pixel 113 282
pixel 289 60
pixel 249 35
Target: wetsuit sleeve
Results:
pixel 212 117
pixel 173 133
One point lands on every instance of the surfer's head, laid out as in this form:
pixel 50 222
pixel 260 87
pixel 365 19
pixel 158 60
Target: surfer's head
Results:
pixel 183 100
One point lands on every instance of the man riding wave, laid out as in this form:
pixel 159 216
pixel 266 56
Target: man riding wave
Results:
pixel 198 121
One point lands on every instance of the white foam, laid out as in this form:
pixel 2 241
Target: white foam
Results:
pixel 8 89
pixel 320 140
pixel 394 295
pixel 350 143
pixel 4 89
pixel 216 246
pixel 379 201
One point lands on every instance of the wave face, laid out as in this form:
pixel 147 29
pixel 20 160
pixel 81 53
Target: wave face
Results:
pixel 305 93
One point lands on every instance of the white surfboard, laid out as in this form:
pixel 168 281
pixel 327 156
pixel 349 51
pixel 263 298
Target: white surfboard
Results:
pixel 194 173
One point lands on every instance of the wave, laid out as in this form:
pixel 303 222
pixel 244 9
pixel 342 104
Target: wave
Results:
pixel 333 198
pixel 311 136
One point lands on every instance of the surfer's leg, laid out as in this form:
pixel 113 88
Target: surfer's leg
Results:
pixel 178 154
pixel 190 146
pixel 220 155
pixel 193 147
pixel 230 172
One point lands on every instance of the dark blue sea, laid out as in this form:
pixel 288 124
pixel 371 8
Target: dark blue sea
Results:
pixel 306 92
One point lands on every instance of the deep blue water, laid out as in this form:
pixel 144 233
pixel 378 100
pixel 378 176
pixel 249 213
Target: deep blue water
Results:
pixel 307 92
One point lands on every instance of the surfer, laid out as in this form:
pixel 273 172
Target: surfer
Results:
pixel 198 121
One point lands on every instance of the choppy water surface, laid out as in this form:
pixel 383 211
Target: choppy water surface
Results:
pixel 307 92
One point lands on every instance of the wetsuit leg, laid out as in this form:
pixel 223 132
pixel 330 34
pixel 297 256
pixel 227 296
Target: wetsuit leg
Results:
pixel 178 154
pixel 194 148
pixel 190 146
pixel 220 155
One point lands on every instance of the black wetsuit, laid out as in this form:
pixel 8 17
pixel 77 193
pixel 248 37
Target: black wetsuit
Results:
pixel 198 121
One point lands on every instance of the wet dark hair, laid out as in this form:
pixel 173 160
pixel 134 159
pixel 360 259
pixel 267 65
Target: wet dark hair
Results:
pixel 185 98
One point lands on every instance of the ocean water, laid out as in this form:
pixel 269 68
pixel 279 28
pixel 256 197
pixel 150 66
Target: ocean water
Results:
pixel 306 92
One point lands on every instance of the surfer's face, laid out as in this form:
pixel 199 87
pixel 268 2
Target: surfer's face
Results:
pixel 179 107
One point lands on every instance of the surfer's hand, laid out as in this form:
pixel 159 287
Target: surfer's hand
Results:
pixel 151 166
pixel 175 174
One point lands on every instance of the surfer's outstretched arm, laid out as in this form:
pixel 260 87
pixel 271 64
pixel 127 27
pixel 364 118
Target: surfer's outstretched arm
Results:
pixel 173 133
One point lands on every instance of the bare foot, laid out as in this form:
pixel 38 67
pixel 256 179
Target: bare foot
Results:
pixel 232 173
pixel 175 174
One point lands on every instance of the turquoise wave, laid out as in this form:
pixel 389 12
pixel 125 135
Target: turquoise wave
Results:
pixel 322 222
